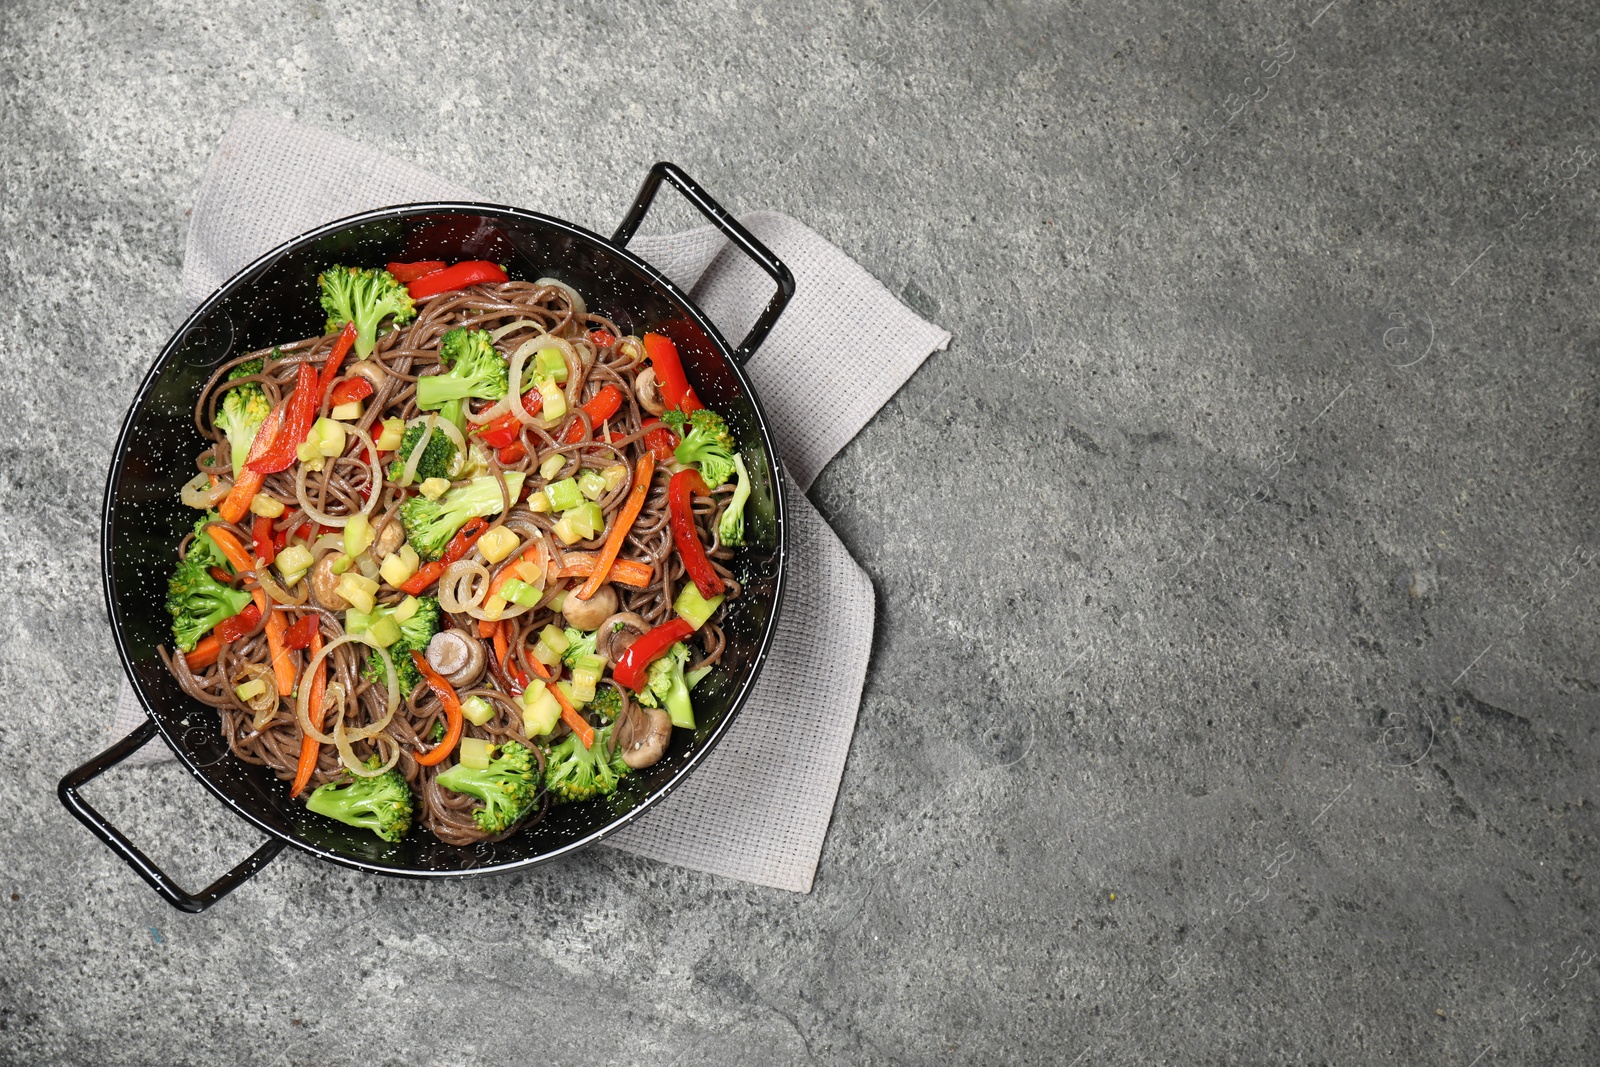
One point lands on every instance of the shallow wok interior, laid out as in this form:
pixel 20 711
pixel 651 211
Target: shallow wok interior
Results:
pixel 276 301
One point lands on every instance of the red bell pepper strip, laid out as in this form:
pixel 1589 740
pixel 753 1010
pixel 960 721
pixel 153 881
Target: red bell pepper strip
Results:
pixel 300 634
pixel 498 433
pixel 459 546
pixel 600 407
pixel 601 338
pixel 452 712
pixel 330 369
pixel 249 481
pixel 410 272
pixel 675 387
pixel 232 629
pixel 632 669
pixel 356 387
pixel 470 272
pixel 310 748
pixel 300 411
pixel 661 441
pixel 680 505
pixel 261 536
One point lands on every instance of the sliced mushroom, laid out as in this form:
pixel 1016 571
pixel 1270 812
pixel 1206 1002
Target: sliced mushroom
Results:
pixel 458 656
pixel 649 392
pixel 324 582
pixel 389 539
pixel 372 371
pixel 612 641
pixel 643 735
pixel 589 614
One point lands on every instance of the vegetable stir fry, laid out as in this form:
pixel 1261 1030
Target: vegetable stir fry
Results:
pixel 460 559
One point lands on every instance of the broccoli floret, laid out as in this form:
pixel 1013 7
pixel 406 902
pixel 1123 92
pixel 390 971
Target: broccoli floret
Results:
pixel 438 458
pixel 509 789
pixel 476 370
pixel 431 523
pixel 365 296
pixel 607 702
pixel 579 643
pixel 666 686
pixel 415 633
pixel 197 602
pixel 573 772
pixel 203 549
pixel 382 804
pixel 250 366
pixel 706 443
pixel 730 528
pixel 242 411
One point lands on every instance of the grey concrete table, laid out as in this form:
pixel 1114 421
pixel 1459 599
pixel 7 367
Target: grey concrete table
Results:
pixel 1235 691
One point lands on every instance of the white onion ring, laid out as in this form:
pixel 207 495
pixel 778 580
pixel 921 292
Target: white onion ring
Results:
pixel 519 409
pixel 194 496
pixel 458 577
pixel 409 474
pixel 352 762
pixel 513 327
pixel 303 697
pixel 338 521
pixel 278 593
pixel 579 308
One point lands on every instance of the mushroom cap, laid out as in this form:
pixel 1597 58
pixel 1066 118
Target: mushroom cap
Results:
pixel 611 642
pixel 643 735
pixel 648 390
pixel 458 656
pixel 324 582
pixel 590 614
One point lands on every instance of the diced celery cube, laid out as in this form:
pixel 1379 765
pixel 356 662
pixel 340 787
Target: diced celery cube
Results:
pixel 555 637
pixel 563 495
pixel 384 631
pixel 519 592
pixel 405 609
pixel 475 752
pixel 549 364
pixel 693 607
pixel 394 432
pixel 552 463
pixel 540 711
pixel 592 484
pixel 614 475
pixel 565 530
pixel 349 412
pixel 477 711
pixel 555 402
pixel 357 534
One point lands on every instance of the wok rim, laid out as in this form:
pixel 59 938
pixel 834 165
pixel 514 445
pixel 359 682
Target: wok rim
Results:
pixel 121 450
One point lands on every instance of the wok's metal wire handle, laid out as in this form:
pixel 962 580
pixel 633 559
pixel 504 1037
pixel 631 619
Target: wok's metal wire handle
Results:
pixel 730 227
pixel 170 891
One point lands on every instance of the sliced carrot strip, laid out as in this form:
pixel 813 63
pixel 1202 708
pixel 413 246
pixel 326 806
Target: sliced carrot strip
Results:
pixel 623 571
pixel 310 748
pixel 620 528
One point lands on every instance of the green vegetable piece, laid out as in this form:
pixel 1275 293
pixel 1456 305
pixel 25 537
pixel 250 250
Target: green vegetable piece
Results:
pixel 430 524
pixel 382 804
pixel 365 296
pixel 197 601
pixel 475 370
pixel 438 458
pixel 730 528
pixel 695 608
pixel 706 444
pixel 509 789
pixel 563 495
pixel 415 633
pixel 575 773
pixel 666 686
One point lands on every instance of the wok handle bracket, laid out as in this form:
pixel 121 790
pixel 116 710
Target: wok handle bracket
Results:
pixel 159 880
pixel 731 228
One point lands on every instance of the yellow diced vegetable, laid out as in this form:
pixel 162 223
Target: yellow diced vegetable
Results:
pixel 475 752
pixel 537 502
pixel 330 437
pixel 349 412
pixel 405 609
pixel 434 488
pixel 266 505
pixel 552 465
pixel 529 571
pixel 384 631
pixel 399 566
pixel 394 431
pixel 477 711
pixel 357 534
pixel 493 607
pixel 360 591
pixel 540 711
pixel 555 402
pixel 294 558
pixel 614 475
pixel 565 529
pixel 497 544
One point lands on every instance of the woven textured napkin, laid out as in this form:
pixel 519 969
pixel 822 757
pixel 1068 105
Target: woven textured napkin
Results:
pixel 758 808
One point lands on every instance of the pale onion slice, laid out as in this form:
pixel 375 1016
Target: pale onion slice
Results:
pixel 456 585
pixel 316 514
pixel 347 755
pixel 270 586
pixel 198 492
pixel 633 348
pixel 264 705
pixel 513 327
pixel 303 698
pixel 579 308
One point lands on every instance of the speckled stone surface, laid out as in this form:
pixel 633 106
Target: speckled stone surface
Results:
pixel 1235 688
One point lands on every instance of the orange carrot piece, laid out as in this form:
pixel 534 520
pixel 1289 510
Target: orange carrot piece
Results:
pixel 282 664
pixel 570 716
pixel 241 560
pixel 619 529
pixel 487 628
pixel 310 747
pixel 623 571
pixel 205 653
pixel 249 481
